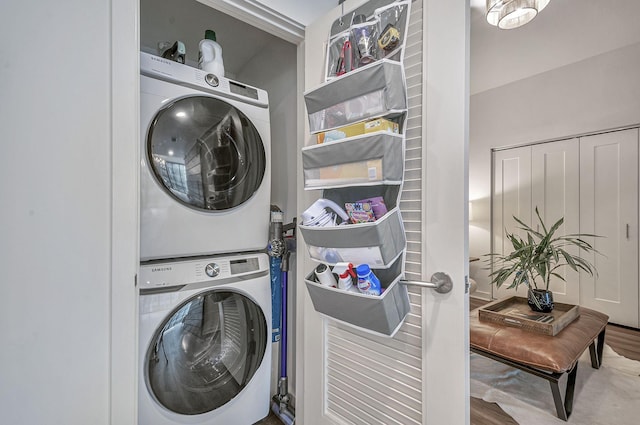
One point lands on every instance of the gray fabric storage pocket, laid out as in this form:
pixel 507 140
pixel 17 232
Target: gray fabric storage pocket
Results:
pixel 373 158
pixel 382 314
pixel 371 91
pixel 341 195
pixel 376 243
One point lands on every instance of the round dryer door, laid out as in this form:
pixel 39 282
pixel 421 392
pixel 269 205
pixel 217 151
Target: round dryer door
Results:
pixel 206 352
pixel 205 153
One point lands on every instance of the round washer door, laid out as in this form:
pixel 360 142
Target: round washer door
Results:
pixel 205 153
pixel 206 352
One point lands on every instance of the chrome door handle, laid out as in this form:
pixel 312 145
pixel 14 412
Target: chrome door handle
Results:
pixel 440 281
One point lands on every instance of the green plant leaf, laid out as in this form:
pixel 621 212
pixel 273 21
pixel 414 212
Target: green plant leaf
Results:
pixel 538 254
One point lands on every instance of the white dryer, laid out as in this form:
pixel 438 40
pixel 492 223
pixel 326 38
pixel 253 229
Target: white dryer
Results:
pixel 205 342
pixel 205 180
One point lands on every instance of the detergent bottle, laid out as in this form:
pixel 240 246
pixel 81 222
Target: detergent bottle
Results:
pixel 368 282
pixel 210 57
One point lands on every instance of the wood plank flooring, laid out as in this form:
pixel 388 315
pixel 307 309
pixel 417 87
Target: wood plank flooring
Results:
pixel 624 341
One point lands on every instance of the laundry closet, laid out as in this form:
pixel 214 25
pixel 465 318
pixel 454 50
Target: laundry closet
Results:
pixel 255 60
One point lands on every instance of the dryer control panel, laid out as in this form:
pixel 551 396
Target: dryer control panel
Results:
pixel 167 70
pixel 222 269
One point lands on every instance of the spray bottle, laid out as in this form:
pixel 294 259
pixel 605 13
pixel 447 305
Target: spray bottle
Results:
pixel 175 52
pixel 210 57
pixel 346 273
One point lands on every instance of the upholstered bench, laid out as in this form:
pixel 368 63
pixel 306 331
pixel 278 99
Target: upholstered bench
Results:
pixel 548 357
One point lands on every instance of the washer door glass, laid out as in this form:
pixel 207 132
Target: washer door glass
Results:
pixel 206 352
pixel 205 153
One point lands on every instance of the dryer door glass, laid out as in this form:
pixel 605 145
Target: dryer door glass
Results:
pixel 205 153
pixel 206 352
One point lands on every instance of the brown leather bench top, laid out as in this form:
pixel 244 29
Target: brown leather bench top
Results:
pixel 549 353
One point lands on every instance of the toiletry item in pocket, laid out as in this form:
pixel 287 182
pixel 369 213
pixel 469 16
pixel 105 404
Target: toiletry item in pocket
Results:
pixel 368 282
pixel 364 34
pixel 377 205
pixel 346 56
pixel 346 274
pixel 325 277
pixel 359 212
pixel 389 38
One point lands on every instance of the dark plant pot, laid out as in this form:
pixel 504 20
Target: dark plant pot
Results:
pixel 544 300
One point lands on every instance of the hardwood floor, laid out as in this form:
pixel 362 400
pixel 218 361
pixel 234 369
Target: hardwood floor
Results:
pixel 624 341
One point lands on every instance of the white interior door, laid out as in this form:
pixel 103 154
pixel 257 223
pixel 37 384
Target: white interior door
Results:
pixel 421 375
pixel 609 208
pixel 511 197
pixel 555 191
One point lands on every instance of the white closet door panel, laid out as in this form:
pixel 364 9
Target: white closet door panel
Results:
pixel 609 208
pixel 555 190
pixel 512 197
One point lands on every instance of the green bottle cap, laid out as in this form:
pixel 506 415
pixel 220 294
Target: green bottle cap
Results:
pixel 210 35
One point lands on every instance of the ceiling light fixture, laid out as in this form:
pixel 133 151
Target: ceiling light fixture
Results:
pixel 509 14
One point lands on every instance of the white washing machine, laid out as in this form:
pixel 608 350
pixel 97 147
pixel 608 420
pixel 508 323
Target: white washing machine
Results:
pixel 205 180
pixel 205 341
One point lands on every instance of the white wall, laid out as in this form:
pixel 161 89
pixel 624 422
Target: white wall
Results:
pixel 274 70
pixel 304 12
pixel 55 249
pixel 594 94
pixel 565 32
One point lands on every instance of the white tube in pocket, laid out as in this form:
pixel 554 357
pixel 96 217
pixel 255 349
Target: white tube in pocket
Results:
pixel 325 277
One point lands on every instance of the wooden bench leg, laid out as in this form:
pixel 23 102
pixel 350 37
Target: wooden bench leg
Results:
pixel 596 350
pixel 563 408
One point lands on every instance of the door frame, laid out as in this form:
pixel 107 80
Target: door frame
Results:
pixel 446 130
pixel 124 110
pixel 124 35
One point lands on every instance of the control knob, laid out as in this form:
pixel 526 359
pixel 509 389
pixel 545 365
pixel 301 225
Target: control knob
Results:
pixel 212 269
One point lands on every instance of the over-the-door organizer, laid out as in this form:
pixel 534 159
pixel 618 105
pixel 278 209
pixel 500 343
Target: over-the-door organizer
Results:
pixel 368 99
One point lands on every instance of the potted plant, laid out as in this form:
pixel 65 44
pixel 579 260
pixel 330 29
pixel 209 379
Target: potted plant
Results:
pixel 536 258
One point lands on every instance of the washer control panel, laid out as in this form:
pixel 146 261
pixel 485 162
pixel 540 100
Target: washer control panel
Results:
pixel 161 274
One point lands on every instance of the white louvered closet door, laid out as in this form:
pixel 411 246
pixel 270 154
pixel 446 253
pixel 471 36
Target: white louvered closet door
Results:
pixel 354 377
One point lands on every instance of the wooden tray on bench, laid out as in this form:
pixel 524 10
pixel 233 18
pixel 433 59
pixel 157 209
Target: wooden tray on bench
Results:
pixel 514 311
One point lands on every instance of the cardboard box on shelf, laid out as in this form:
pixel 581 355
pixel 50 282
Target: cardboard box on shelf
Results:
pixel 369 170
pixel 363 127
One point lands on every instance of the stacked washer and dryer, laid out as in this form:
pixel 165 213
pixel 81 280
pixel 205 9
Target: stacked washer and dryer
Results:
pixel 205 295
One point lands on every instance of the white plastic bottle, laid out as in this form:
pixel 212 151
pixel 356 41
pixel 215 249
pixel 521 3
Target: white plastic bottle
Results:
pixel 346 274
pixel 368 282
pixel 210 57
